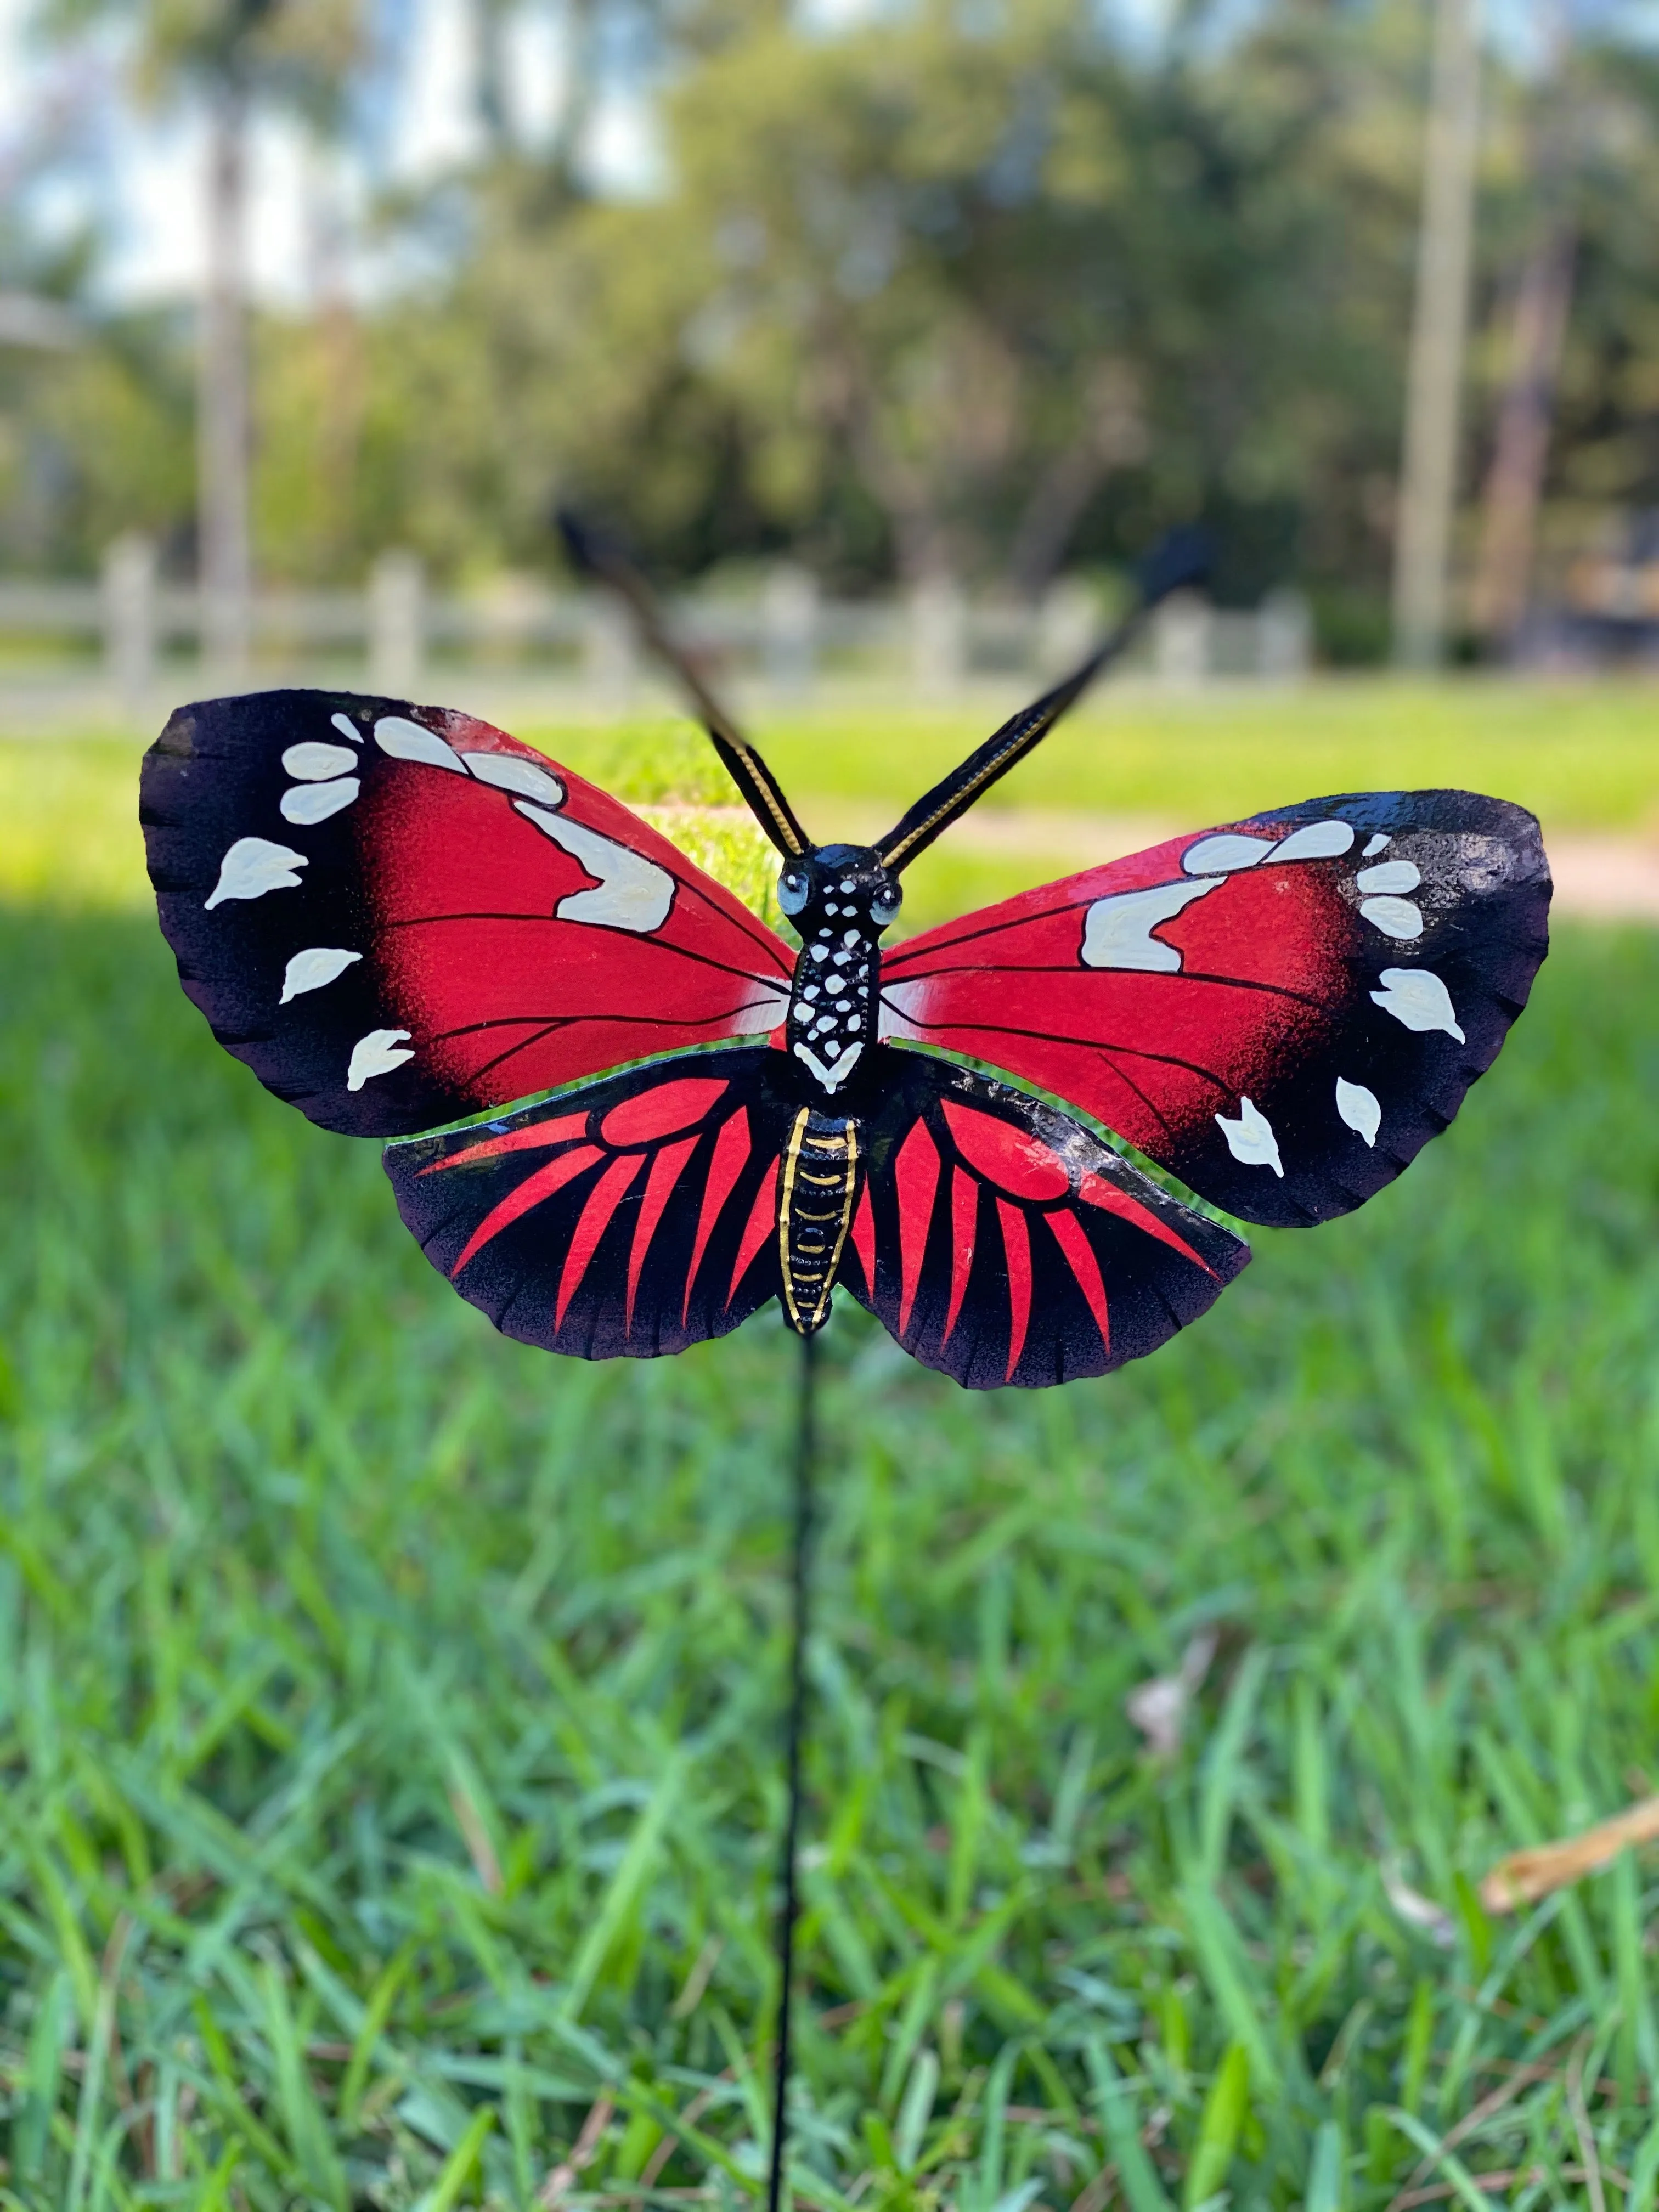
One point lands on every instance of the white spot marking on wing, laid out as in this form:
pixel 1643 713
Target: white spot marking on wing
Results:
pixel 1315 840
pixel 1222 854
pixel 1117 930
pixel 839 1069
pixel 507 772
pixel 1250 1139
pixel 406 740
pixel 1395 917
pixel 315 763
pixel 311 969
pixel 1390 875
pixel 632 893
pixel 1375 845
pixel 347 728
pixel 1418 999
pixel 252 866
pixel 315 802
pixel 1360 1108
pixel 375 1054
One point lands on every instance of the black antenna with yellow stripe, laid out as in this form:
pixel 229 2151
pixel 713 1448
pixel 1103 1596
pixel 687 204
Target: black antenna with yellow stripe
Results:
pixel 597 556
pixel 1183 558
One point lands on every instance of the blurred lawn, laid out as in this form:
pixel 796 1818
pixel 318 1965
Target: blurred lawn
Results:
pixel 1586 757
pixel 389 1713
pixel 1580 756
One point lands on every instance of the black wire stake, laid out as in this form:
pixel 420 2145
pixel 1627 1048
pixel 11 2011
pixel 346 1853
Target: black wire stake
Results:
pixel 800 1586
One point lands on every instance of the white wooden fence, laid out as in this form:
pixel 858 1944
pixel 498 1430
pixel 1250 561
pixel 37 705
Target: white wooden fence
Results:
pixel 786 633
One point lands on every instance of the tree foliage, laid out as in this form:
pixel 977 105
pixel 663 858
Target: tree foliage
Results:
pixel 980 290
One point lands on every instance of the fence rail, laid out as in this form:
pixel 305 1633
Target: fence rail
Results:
pixel 786 633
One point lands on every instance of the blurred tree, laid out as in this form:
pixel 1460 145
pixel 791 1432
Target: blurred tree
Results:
pixel 229 56
pixel 983 292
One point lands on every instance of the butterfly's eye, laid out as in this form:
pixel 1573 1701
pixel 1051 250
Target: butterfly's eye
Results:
pixel 885 907
pixel 793 890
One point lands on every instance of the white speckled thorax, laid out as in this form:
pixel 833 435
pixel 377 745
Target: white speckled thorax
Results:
pixel 841 898
pixel 833 1001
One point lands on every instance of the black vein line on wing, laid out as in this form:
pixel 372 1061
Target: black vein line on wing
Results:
pixel 753 928
pixel 569 1021
pixel 1104 1047
pixel 1076 969
pixel 550 1025
pixel 932 942
pixel 775 982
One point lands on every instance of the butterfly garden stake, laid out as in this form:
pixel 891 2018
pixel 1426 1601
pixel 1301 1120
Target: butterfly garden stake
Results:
pixel 624 1115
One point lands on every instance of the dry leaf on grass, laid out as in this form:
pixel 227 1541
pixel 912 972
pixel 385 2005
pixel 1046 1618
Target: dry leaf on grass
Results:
pixel 1158 1708
pixel 1525 1876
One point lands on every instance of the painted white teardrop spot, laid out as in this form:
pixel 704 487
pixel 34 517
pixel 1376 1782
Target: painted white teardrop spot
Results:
pixel 632 892
pixel 1315 840
pixel 1117 931
pixel 1395 917
pixel 1360 1108
pixel 1222 854
pixel 375 1054
pixel 1250 1139
pixel 252 866
pixel 1375 845
pixel 406 740
pixel 315 802
pixel 347 728
pixel 507 772
pixel 1417 998
pixel 315 763
pixel 310 969
pixel 1390 875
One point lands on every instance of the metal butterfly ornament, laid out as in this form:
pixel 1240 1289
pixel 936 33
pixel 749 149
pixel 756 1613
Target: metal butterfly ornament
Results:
pixel 624 1114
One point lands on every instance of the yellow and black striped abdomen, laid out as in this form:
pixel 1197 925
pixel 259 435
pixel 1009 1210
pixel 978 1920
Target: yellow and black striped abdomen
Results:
pixel 820 1183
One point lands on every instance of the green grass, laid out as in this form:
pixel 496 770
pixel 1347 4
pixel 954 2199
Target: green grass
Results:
pixel 389 1714
pixel 1581 757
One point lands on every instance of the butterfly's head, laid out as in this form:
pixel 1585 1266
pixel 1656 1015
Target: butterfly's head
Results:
pixel 834 888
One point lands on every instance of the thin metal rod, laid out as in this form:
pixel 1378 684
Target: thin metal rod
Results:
pixel 800 1593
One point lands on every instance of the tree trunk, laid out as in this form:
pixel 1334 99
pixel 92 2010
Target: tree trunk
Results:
pixel 224 563
pixel 1515 480
pixel 1051 514
pixel 1428 490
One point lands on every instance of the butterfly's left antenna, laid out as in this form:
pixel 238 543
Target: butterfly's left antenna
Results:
pixel 596 556
pixel 1183 557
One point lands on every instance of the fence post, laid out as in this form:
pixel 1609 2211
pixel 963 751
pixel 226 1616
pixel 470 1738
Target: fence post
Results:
pixel 1181 641
pixel 128 588
pixel 396 625
pixel 1284 637
pixel 938 635
pixel 608 657
pixel 789 624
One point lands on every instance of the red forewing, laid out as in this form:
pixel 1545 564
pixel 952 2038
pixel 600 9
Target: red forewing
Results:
pixel 1282 1011
pixel 1003 1242
pixel 396 915
pixel 632 1217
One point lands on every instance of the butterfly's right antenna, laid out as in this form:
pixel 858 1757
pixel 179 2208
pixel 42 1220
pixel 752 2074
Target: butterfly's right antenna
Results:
pixel 1183 557
pixel 595 554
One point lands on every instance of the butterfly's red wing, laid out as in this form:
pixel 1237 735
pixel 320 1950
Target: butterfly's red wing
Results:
pixel 1001 1241
pixel 396 915
pixel 1280 1012
pixel 630 1217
